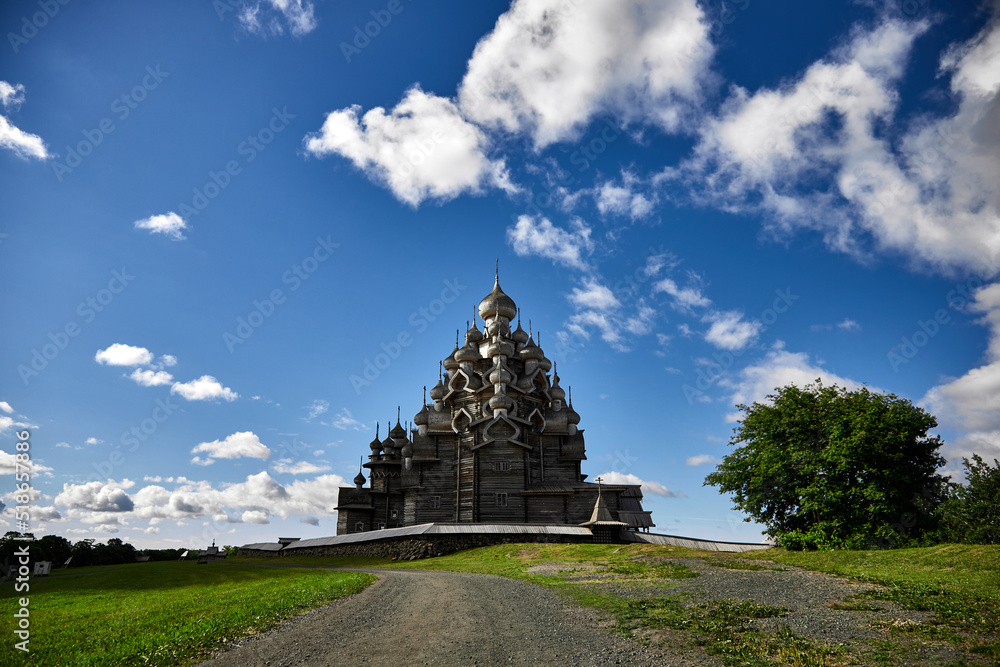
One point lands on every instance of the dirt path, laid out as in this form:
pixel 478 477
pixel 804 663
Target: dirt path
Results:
pixel 412 617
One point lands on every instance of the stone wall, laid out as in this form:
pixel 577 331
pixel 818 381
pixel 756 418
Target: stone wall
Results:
pixel 411 548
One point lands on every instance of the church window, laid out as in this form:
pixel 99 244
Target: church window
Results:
pixel 501 500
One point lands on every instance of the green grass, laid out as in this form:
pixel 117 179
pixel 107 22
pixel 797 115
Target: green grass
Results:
pixel 165 613
pixel 960 584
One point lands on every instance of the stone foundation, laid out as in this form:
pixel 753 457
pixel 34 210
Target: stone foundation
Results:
pixel 410 548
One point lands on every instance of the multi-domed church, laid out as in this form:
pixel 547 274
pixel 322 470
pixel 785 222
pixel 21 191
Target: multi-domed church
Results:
pixel 499 444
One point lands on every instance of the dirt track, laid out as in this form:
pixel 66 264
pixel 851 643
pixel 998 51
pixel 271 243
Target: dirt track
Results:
pixel 412 617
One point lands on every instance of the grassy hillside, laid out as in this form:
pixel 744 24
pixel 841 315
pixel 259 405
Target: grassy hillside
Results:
pixel 165 613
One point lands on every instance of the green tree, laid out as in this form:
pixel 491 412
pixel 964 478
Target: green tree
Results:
pixel 971 514
pixel 824 467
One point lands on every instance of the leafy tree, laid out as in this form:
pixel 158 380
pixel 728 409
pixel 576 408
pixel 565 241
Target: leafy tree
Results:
pixel 52 548
pixel 971 514
pixel 824 467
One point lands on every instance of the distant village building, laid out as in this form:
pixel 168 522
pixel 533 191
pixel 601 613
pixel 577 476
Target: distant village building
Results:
pixel 499 444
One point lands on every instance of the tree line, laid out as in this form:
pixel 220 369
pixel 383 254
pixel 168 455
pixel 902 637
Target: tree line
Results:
pixel 84 552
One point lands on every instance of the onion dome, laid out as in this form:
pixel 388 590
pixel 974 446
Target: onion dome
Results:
pixel 497 304
pixel 473 335
pixel 500 375
pixel 438 392
pixel 530 351
pixel 376 444
pixel 421 418
pixel 500 346
pixel 407 450
pixel 520 336
pixel 555 391
pixel 451 363
pixel 544 362
pixel 573 417
pixel 501 402
pixel 470 352
pixel 388 445
pixel 359 479
pixel 397 432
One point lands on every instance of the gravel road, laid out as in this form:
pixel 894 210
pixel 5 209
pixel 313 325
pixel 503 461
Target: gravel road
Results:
pixel 411 617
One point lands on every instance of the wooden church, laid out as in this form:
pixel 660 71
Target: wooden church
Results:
pixel 499 444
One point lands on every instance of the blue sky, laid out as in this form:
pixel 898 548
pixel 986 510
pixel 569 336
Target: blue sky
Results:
pixel 237 235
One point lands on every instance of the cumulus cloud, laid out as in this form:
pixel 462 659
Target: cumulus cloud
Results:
pixel 622 200
pixel 594 296
pixel 971 403
pixel 814 153
pixel 654 488
pixel 149 378
pixel 548 66
pixel 120 354
pixel 109 496
pixel 422 149
pixel 729 331
pixel 533 235
pixel 777 369
pixel 255 516
pixel 684 299
pixel 5 407
pixel 237 445
pixel 205 388
pixel 23 144
pixel 9 467
pixel 169 224
pixel 300 468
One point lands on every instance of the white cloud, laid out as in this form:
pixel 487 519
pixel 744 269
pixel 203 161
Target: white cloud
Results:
pixel 422 149
pixel 622 200
pixel 23 144
pixel 702 459
pixel 169 224
pixel 258 493
pixel 594 296
pixel 537 236
pixel 654 488
pixel 148 378
pixel 237 445
pixel 317 408
pixel 550 66
pixel 255 516
pixel 971 403
pixel 815 153
pixel 270 17
pixel 167 360
pixel 203 389
pixel 684 299
pixel 345 421
pixel 777 369
pixel 8 465
pixel 107 496
pixel 729 331
pixel 5 407
pixel 301 468
pixel 120 354
pixel 93 441
pixel 849 325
